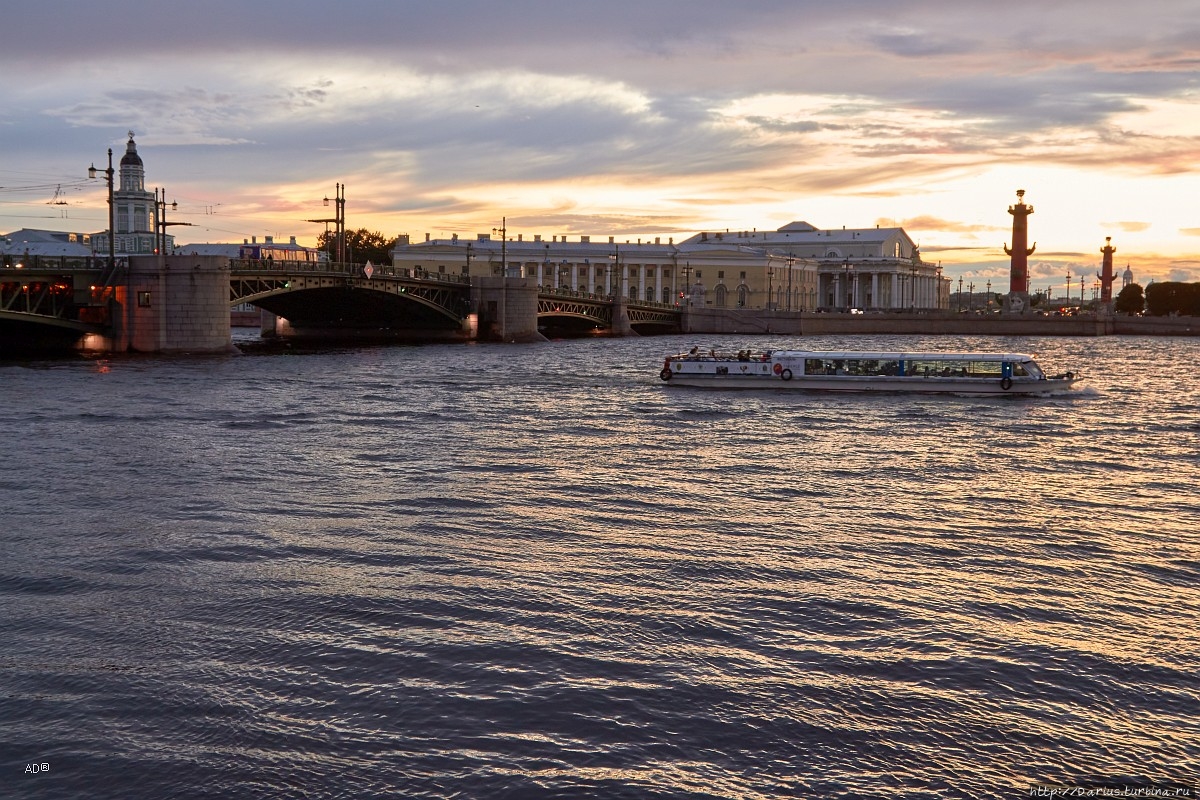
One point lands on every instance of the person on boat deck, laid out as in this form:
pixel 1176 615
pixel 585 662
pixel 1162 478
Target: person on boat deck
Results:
pixel 694 351
pixel 712 353
pixel 743 355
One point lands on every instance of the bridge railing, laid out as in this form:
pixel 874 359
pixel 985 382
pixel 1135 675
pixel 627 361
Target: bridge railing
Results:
pixel 59 263
pixel 341 268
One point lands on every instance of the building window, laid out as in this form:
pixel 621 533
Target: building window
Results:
pixel 666 272
pixel 743 276
pixel 720 295
pixel 143 299
pixel 697 275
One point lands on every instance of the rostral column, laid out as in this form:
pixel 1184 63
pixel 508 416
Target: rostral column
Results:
pixel 1018 276
pixel 1107 277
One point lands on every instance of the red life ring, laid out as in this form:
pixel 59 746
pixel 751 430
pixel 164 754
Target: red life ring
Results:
pixel 778 368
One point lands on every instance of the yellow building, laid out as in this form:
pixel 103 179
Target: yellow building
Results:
pixel 716 274
pixel 796 268
pixel 857 268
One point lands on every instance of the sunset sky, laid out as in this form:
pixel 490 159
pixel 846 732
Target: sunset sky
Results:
pixel 650 118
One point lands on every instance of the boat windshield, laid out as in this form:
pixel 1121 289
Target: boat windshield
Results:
pixel 1029 368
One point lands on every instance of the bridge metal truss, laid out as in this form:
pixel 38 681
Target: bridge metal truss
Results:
pixel 36 296
pixel 45 302
pixel 654 315
pixel 599 312
pixel 448 298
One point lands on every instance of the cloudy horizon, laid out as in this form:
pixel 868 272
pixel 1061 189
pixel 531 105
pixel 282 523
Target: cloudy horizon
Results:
pixel 626 119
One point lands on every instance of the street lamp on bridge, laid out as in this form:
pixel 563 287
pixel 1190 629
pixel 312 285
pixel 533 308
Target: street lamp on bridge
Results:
pixel 160 219
pixel 614 259
pixel 503 231
pixel 112 239
pixel 339 222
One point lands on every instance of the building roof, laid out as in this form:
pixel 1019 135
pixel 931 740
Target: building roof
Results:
pixel 538 249
pixel 798 233
pixel 38 242
pixel 234 249
pixel 226 250
pixel 131 157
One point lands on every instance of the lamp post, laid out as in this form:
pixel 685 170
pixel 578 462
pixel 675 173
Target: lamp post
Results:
pixel 614 260
pixel 971 296
pixel 112 238
pixel 339 213
pixel 770 283
pixel 987 305
pixel 160 219
pixel 938 296
pixel 790 261
pixel 503 231
pixel 339 223
pixel 846 289
pixel 960 308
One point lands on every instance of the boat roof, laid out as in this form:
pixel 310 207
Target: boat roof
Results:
pixel 900 355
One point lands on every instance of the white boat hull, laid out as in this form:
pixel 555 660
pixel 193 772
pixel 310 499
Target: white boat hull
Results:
pixel 843 383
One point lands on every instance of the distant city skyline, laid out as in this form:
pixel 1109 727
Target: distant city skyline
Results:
pixel 627 120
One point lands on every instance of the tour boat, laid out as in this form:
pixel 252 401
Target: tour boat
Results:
pixel 853 371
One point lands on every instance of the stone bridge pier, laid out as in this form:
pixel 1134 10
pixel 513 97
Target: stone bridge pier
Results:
pixel 506 308
pixel 173 304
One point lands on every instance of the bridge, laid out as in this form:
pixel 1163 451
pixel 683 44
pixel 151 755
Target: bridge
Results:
pixel 50 303
pixel 325 295
pixel 57 301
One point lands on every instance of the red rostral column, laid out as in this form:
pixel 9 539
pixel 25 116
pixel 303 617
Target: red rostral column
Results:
pixel 1107 277
pixel 1018 276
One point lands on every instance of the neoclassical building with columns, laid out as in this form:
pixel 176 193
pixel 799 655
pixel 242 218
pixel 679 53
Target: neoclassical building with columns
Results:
pixel 797 268
pixel 862 268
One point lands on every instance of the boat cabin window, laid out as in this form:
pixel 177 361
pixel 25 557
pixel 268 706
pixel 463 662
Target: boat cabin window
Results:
pixel 851 366
pixel 952 368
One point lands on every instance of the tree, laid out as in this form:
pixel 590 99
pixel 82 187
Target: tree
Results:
pixel 1131 300
pixel 361 246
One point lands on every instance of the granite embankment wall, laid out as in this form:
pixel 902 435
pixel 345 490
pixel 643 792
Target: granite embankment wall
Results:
pixel 757 321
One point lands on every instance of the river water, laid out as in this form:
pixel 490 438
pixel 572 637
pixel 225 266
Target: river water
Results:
pixel 535 571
